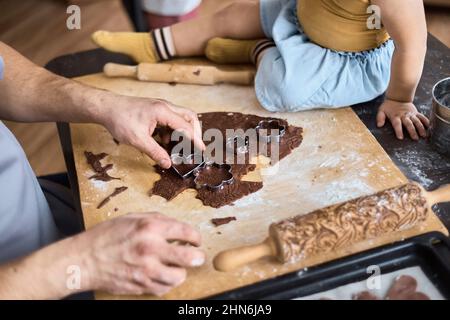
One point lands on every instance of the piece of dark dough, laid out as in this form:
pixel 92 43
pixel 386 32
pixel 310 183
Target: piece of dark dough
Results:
pixel 221 221
pixel 228 194
pixel 365 295
pixel 405 288
pixel 116 191
pixel 101 172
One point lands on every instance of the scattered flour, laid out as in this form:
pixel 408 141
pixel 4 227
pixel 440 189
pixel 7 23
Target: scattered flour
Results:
pixel 331 162
pixel 101 185
pixel 254 199
pixel 246 270
pixel 337 191
pixel 422 164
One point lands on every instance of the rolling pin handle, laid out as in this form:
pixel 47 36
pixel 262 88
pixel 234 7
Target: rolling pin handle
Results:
pixel 119 70
pixel 440 195
pixel 244 77
pixel 230 259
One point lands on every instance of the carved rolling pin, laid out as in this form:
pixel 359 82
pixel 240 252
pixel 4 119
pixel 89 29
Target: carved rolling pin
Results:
pixel 340 225
pixel 175 73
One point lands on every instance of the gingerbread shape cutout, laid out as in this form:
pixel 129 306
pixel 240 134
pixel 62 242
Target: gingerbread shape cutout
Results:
pixel 170 184
pixel 185 166
pixel 213 176
pixel 270 129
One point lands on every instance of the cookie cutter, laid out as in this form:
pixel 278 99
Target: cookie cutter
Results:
pixel 269 126
pixel 241 143
pixel 179 160
pixel 216 187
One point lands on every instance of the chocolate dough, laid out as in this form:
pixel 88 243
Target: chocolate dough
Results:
pixel 228 194
pixel 117 191
pixel 365 295
pixel 170 185
pixel 213 176
pixel 101 173
pixel 220 221
pixel 185 168
pixel 405 288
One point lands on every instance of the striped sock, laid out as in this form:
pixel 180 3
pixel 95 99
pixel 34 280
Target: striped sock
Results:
pixel 225 51
pixel 259 48
pixel 137 45
pixel 163 42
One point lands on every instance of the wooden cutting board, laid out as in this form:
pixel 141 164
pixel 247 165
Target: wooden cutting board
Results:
pixel 338 160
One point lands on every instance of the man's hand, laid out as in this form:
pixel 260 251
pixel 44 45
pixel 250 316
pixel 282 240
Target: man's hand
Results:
pixel 403 114
pixel 133 254
pixel 142 253
pixel 29 93
pixel 133 121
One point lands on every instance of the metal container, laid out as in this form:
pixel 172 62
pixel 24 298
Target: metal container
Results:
pixel 440 117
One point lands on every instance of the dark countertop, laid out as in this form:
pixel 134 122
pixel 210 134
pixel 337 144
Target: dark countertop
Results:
pixel 417 160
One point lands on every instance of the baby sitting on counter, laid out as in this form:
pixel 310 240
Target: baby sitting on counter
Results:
pixel 309 53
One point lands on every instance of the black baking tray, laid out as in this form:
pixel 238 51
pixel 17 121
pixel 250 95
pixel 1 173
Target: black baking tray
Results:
pixel 430 252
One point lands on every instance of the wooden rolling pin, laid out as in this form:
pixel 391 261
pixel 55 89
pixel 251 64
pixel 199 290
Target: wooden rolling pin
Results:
pixel 176 73
pixel 339 225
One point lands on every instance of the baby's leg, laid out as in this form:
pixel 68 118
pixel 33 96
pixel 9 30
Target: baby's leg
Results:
pixel 242 40
pixel 226 51
pixel 239 20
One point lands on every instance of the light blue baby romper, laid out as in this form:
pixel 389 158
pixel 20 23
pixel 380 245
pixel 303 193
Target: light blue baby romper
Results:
pixel 299 75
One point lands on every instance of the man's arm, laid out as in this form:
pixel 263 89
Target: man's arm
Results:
pixel 405 22
pixel 29 93
pixel 42 275
pixel 126 255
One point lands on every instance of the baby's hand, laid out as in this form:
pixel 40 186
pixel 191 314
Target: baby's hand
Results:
pixel 403 114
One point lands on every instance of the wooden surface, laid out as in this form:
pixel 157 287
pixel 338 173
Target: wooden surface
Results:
pixel 338 160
